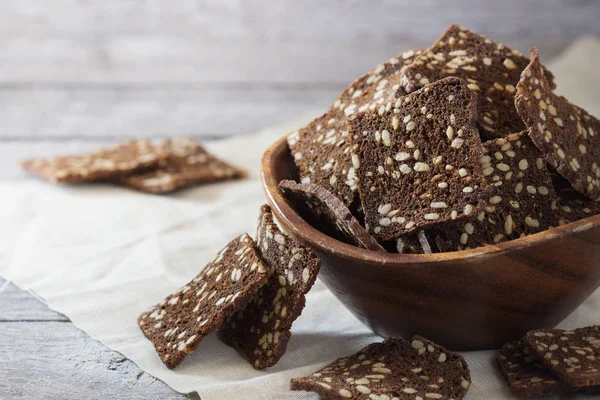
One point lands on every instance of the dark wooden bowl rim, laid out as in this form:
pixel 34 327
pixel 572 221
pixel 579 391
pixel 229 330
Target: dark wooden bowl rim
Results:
pixel 321 242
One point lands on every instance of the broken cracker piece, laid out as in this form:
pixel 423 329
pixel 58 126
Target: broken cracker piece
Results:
pixel 176 325
pixel 262 329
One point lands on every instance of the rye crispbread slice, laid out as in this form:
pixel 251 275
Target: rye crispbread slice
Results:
pixel 491 70
pixel 571 205
pixel 321 149
pixel 567 136
pixel 186 163
pixel 395 368
pixel 573 356
pixel 177 324
pixel 262 330
pixel 418 162
pixel 526 375
pixel 123 158
pixel 327 213
pixel 521 201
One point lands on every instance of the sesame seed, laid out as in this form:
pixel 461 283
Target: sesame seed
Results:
pixel 385 136
pixel 531 222
pixel 395 122
pixel 442 185
pixel 469 228
pixel 438 204
pixel 410 144
pixel 457 143
pixel 463 172
pixel 421 167
pixel 467 189
pixel 495 200
pixel 508 63
pixel 405 169
pixel 450 133
pixel 508 224
pixel 487 61
pixel 410 126
pixel 523 164
pixel 355 161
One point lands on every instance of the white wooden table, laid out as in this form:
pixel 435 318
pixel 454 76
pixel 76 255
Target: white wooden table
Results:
pixel 76 75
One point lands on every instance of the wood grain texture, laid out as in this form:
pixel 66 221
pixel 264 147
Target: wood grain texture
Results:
pixel 119 112
pixel 18 305
pixel 47 357
pixel 469 300
pixel 256 40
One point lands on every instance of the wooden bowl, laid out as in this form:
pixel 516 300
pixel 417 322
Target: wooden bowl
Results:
pixel 465 300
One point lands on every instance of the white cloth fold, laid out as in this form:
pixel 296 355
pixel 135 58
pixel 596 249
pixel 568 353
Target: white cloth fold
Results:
pixel 101 255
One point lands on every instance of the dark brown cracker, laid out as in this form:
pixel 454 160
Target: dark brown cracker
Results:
pixel 418 162
pixel 321 149
pixel 327 213
pixel 186 163
pixel 571 205
pixel 527 376
pixel 567 135
pixel 124 158
pixel 573 356
pixel 227 283
pixel 262 329
pixel 521 201
pixel 492 71
pixel 394 369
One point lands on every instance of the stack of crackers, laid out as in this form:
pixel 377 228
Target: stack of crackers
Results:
pixel 462 145
pixel 138 164
pixel 553 361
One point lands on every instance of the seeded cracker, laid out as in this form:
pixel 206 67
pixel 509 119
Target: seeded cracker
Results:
pixel 395 369
pixel 187 163
pixel 123 158
pixel 527 376
pixel 262 329
pixel 571 205
pixel 491 70
pixel 567 135
pixel 418 162
pixel 522 199
pixel 227 283
pixel 321 151
pixel 326 212
pixel 574 356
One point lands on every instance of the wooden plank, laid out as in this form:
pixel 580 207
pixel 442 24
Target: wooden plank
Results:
pixel 55 360
pixel 119 112
pixel 18 305
pixel 256 40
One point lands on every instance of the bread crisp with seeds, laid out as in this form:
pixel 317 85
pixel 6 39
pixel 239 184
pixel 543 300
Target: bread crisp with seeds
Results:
pixel 491 70
pixel 186 163
pixel 395 368
pixel 326 212
pixel 418 162
pixel 567 136
pixel 124 158
pixel 262 329
pixel 176 325
pixel 321 149
pixel 527 376
pixel 573 356
pixel 521 200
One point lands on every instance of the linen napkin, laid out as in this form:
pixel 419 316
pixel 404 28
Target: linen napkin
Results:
pixel 101 255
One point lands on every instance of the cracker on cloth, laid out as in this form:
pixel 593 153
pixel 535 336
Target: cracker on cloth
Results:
pixel 186 163
pixel 123 158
